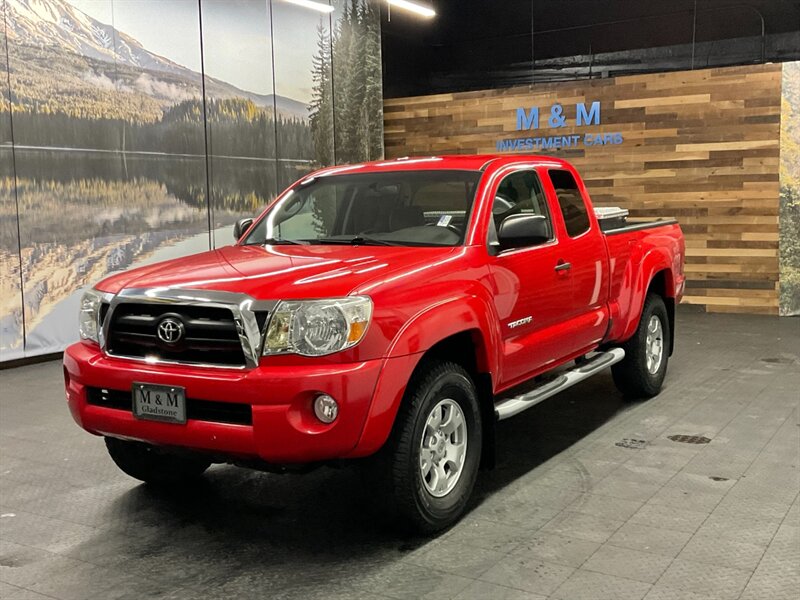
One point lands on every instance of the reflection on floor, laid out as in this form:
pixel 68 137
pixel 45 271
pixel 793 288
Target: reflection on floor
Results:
pixel 590 499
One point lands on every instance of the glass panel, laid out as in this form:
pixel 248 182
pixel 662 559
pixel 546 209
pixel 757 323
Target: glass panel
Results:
pixel 11 325
pixel 240 105
pixel 122 160
pixel 111 166
pixel 299 37
pixel 357 81
pixel 66 86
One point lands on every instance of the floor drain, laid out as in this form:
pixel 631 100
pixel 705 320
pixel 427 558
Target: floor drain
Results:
pixel 777 361
pixel 689 439
pixel 719 478
pixel 632 444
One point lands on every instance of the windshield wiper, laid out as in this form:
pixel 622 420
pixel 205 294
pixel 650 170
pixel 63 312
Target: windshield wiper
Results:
pixel 359 240
pixel 371 241
pixel 279 241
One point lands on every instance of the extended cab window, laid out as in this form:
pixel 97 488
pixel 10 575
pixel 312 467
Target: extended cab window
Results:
pixel 519 193
pixel 573 208
pixel 404 208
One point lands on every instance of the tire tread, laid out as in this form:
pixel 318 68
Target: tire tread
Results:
pixel 146 463
pixel 398 488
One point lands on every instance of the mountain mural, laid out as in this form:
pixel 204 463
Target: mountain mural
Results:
pixel 789 216
pixel 58 24
pixel 111 60
pixel 122 156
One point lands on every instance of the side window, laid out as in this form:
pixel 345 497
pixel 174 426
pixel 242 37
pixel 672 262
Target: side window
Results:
pixel 573 208
pixel 519 193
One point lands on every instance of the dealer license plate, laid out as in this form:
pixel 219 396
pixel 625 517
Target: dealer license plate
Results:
pixel 159 402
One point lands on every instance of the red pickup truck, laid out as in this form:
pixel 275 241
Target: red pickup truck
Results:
pixel 392 310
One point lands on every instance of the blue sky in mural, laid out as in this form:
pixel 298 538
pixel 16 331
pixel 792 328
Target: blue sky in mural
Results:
pixel 154 25
pixel 234 27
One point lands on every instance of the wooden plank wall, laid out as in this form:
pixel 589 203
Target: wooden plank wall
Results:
pixel 701 146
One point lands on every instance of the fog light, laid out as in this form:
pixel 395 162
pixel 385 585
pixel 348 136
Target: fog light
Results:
pixel 326 408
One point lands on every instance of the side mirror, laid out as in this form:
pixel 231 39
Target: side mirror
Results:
pixel 240 227
pixel 523 230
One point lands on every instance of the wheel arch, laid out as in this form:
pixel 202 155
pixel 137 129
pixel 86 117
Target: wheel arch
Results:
pixel 466 346
pixel 655 276
pixel 468 349
pixel 661 284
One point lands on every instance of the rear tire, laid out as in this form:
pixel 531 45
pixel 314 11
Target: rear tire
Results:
pixel 641 373
pixel 427 469
pixel 154 465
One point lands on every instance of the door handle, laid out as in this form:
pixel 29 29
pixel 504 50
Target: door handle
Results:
pixel 563 266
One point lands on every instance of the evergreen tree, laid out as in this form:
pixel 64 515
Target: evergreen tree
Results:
pixel 321 119
pixel 373 84
pixel 342 79
pixel 347 107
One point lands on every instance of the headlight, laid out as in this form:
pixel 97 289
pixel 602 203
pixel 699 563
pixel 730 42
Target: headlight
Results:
pixel 317 327
pixel 90 315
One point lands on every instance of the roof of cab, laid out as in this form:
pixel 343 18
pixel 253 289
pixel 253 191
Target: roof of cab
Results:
pixel 469 162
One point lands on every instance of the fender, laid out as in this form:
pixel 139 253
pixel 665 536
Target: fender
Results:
pixel 423 331
pixel 448 317
pixel 628 307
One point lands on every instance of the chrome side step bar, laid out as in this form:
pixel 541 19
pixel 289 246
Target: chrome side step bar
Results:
pixel 516 404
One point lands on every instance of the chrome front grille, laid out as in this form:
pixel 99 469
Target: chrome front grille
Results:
pixel 204 328
pixel 209 334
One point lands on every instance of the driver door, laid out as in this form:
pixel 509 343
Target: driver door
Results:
pixel 531 296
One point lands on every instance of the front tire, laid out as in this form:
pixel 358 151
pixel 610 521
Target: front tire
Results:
pixel 641 373
pixel 154 465
pixel 429 465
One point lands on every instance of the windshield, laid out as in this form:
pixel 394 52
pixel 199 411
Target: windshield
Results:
pixel 404 208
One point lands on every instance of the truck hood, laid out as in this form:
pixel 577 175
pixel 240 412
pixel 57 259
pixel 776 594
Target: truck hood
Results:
pixel 274 272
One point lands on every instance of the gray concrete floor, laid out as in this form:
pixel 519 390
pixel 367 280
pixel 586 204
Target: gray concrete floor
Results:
pixel 590 499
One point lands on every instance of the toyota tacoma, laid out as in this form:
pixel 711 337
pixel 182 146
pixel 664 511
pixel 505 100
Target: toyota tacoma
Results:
pixel 391 312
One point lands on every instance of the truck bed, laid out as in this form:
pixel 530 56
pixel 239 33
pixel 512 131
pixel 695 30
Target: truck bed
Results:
pixel 629 226
pixel 614 220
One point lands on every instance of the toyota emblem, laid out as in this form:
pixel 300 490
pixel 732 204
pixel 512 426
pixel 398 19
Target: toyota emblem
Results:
pixel 170 331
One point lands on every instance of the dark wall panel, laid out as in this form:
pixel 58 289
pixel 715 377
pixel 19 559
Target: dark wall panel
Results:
pixel 476 45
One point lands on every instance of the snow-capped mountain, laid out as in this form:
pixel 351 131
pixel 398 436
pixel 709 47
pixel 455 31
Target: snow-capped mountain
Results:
pixel 57 25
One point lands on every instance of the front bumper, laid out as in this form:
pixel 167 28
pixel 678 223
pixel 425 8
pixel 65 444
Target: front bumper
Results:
pixel 284 428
